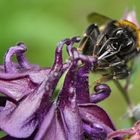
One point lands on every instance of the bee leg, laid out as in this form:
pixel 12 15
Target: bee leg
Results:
pixel 117 72
pixel 121 72
pixel 116 63
pixel 88 42
pixel 104 78
pixel 128 83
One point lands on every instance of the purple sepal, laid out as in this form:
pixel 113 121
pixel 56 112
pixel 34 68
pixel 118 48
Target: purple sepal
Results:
pixel 62 122
pixel 17 80
pixel 92 113
pixel 20 119
pixel 82 85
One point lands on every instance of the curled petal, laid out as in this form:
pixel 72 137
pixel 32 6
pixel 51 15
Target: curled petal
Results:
pixel 102 91
pixel 19 79
pixel 18 50
pixel 70 45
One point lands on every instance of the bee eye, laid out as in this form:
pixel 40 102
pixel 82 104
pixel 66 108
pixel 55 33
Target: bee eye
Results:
pixel 119 33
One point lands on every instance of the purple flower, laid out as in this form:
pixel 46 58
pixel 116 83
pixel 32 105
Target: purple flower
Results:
pixel 132 133
pixel 31 113
pixel 25 85
pixel 131 16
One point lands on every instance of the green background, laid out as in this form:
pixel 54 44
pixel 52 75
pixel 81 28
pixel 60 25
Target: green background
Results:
pixel 41 24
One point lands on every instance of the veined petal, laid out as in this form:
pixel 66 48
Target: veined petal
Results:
pixel 16 88
pixel 21 120
pixel 52 126
pixel 93 113
pixel 82 84
pixel 63 122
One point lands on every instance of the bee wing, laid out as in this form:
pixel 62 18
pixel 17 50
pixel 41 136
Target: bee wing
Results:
pixel 98 19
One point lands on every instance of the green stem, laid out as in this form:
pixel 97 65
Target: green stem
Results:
pixel 124 93
pixel 126 98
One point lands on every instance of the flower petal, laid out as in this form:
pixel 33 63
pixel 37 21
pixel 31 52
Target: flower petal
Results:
pixel 52 126
pixel 95 131
pixel 93 113
pixel 68 105
pixel 20 120
pixel 82 84
pixel 62 122
pixel 19 79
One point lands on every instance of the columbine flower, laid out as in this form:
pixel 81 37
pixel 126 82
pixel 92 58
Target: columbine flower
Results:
pixel 30 112
pixel 131 133
pixel 25 85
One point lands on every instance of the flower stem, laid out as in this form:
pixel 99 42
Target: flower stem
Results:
pixel 123 92
pixel 126 98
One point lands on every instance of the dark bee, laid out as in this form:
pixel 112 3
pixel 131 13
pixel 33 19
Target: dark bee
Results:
pixel 114 44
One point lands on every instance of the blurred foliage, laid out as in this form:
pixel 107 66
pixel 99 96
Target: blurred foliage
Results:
pixel 40 24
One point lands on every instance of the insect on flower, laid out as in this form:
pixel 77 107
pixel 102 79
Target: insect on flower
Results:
pixel 114 42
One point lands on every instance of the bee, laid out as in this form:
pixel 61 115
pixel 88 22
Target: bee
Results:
pixel 113 42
